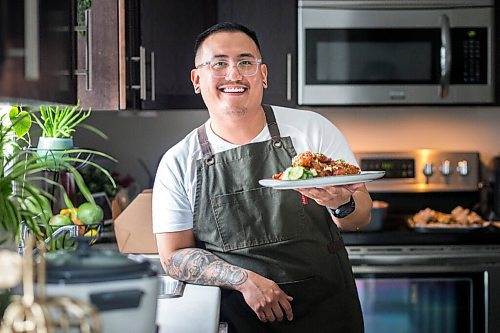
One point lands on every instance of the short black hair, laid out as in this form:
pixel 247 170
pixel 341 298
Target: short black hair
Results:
pixel 225 27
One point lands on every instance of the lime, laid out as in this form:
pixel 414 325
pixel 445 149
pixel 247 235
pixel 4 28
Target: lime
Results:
pixel 60 220
pixel 89 213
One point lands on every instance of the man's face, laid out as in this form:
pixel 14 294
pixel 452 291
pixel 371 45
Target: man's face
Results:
pixel 233 93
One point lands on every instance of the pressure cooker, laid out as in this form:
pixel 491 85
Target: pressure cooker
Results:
pixel 124 290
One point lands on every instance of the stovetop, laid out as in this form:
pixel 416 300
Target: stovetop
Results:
pixel 395 232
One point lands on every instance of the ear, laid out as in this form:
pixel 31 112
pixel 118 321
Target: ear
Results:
pixel 195 79
pixel 263 72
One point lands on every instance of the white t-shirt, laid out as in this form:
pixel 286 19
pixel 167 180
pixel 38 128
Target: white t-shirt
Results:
pixel 174 189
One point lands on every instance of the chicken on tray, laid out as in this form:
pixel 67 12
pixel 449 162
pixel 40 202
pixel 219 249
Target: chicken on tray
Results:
pixel 459 217
pixel 308 165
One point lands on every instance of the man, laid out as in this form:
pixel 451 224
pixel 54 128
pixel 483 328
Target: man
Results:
pixel 277 255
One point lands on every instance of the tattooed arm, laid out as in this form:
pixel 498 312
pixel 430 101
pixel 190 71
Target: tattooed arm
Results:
pixel 182 261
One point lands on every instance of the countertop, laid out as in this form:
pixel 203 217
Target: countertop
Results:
pixel 196 311
pixel 397 233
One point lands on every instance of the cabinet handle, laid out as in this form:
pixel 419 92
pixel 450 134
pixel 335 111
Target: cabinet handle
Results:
pixel 288 76
pixel 153 78
pixel 87 28
pixel 31 41
pixel 142 72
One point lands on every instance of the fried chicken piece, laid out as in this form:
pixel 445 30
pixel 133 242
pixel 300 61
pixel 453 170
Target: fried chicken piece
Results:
pixel 423 216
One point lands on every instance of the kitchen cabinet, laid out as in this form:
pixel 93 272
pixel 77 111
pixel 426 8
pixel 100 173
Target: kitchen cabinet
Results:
pixel 131 54
pixel 47 55
pixel 160 36
pixel 35 51
pixel 100 59
pixel 275 25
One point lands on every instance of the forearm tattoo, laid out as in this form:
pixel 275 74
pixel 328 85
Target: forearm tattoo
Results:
pixel 202 267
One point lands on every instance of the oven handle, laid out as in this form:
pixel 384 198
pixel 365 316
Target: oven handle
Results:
pixel 445 57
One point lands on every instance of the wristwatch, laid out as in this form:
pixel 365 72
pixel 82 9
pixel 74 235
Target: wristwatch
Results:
pixel 344 210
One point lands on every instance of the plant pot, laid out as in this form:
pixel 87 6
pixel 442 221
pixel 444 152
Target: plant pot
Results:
pixel 51 150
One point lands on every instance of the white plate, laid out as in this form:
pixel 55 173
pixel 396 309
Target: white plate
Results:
pixel 363 177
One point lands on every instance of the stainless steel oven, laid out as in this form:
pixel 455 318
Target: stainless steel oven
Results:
pixel 425 289
pixel 425 280
pixel 395 52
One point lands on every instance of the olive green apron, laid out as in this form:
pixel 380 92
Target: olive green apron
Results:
pixel 276 233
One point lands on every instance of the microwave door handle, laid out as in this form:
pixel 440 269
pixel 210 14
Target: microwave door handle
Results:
pixel 445 57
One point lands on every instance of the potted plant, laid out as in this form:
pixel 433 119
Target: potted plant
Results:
pixel 23 199
pixel 58 125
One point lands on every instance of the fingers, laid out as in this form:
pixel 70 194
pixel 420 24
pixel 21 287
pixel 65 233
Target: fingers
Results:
pixel 287 307
pixel 276 310
pixel 270 315
pixel 267 299
pixel 353 187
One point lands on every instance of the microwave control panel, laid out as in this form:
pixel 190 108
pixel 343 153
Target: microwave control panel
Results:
pixel 469 56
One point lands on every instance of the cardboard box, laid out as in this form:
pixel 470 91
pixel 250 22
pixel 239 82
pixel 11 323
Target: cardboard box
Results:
pixel 134 226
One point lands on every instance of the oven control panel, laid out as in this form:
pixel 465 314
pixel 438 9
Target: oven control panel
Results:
pixel 393 167
pixel 422 170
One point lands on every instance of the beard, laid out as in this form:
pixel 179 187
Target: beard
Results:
pixel 235 111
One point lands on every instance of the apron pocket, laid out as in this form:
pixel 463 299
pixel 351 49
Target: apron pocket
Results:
pixel 307 294
pixel 257 217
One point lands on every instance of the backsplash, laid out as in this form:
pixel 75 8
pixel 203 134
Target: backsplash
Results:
pixel 147 135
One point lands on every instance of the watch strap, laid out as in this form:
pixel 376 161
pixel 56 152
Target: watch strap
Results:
pixel 344 210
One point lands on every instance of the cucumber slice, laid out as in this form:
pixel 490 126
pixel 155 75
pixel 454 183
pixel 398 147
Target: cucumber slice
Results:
pixel 296 173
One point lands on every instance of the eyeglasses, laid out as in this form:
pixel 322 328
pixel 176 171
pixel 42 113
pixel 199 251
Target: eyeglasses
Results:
pixel 220 68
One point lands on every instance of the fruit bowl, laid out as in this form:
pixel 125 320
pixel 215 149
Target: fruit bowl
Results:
pixel 63 236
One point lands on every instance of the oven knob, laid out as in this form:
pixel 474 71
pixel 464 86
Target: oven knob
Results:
pixel 445 168
pixel 428 169
pixel 463 168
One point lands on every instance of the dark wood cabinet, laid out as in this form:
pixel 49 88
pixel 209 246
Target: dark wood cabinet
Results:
pixel 160 38
pixel 132 54
pixel 275 23
pixel 47 55
pixel 160 56
pixel 36 51
pixel 101 83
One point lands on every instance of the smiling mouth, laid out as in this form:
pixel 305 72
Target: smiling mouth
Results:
pixel 233 90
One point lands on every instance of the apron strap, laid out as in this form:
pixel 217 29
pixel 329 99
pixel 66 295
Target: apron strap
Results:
pixel 208 156
pixel 272 125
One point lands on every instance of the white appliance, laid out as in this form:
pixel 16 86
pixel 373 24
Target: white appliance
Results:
pixel 184 307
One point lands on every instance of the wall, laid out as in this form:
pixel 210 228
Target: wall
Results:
pixel 147 135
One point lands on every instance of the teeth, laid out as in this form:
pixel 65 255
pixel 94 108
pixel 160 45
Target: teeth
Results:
pixel 233 90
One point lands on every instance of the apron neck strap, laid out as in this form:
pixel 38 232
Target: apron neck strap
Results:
pixel 208 156
pixel 272 125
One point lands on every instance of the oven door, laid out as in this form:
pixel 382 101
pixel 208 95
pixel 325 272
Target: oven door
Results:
pixel 396 56
pixel 409 302
pixel 420 289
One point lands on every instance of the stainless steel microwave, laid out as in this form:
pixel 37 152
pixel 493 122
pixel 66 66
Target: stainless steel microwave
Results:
pixel 395 52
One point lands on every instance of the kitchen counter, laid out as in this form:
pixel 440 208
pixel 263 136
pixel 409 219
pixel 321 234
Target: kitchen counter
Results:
pixel 196 311
pixel 405 236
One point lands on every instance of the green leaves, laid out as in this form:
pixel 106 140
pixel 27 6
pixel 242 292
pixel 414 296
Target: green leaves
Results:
pixel 21 167
pixel 61 122
pixel 21 121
